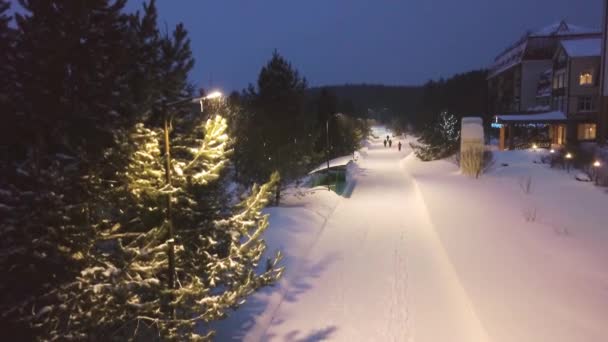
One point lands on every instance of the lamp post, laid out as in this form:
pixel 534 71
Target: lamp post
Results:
pixel 327 145
pixel 168 214
pixel 596 167
pixel 568 161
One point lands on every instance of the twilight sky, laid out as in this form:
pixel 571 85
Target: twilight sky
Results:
pixel 355 41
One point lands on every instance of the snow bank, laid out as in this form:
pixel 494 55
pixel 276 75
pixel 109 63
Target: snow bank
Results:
pixel 337 162
pixel 533 262
pixel 294 227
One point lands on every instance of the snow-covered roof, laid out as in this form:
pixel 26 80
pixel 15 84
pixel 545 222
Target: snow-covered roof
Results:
pixel 563 29
pixel 549 116
pixel 337 162
pixel 514 54
pixel 508 59
pixel 588 47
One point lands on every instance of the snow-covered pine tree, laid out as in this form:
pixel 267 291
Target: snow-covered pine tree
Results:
pixel 61 79
pixel 439 140
pixel 280 135
pixel 7 75
pixel 125 291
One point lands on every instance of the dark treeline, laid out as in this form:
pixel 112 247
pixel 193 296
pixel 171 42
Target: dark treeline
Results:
pixel 375 101
pixel 461 95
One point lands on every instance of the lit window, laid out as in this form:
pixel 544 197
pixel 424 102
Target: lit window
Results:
pixel 585 104
pixel 586 78
pixel 586 131
pixel 559 81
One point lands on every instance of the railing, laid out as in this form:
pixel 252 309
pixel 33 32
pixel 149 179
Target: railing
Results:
pixel 530 144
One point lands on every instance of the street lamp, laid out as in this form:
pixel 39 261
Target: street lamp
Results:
pixel 596 165
pixel 168 217
pixel 568 159
pixel 327 144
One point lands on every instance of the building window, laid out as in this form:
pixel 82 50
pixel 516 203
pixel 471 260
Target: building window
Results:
pixel 559 81
pixel 555 82
pixel 585 104
pixel 586 131
pixel 585 78
pixel 558 103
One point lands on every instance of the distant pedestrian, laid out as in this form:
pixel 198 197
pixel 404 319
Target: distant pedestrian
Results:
pixel 390 143
pixel 399 145
pixel 384 143
pixel 387 138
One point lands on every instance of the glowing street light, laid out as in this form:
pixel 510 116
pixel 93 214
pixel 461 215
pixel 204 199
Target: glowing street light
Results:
pixel 568 155
pixel 534 146
pixel 211 96
pixel 552 151
pixel 597 164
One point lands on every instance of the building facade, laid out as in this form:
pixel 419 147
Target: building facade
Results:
pixel 549 79
pixel 576 86
pixel 514 75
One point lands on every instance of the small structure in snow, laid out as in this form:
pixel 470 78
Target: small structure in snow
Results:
pixel 583 177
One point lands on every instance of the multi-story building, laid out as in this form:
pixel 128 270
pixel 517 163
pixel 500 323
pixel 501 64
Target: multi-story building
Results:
pixel 603 111
pixel 549 78
pixel 514 76
pixel 575 86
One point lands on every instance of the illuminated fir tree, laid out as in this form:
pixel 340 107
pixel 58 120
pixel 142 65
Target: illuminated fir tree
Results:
pixel 129 288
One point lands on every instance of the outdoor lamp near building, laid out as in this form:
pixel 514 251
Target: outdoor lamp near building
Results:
pixel 568 157
pixel 596 175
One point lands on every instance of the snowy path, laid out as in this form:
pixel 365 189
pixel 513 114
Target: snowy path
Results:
pixel 377 272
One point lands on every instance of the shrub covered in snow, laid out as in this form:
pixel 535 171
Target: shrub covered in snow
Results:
pixel 474 161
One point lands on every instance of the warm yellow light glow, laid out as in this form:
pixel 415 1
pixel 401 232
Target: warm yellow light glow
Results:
pixel 597 164
pixel 534 146
pixel 586 78
pixel 568 155
pixel 213 95
pixel 552 151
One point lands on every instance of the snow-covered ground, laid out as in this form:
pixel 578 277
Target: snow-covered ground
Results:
pixel 419 252
pixel 533 263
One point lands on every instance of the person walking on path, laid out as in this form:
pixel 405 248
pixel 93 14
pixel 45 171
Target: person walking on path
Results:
pixel 390 143
pixel 399 145
pixel 384 143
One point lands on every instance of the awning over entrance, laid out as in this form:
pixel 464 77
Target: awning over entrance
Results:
pixel 511 123
pixel 549 117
